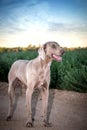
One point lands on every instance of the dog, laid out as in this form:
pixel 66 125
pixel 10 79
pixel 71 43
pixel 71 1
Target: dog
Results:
pixel 34 74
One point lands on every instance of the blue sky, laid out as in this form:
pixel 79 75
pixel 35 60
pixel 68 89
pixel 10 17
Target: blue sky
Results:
pixel 24 22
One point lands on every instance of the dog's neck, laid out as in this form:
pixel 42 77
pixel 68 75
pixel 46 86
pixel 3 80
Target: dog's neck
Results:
pixel 46 61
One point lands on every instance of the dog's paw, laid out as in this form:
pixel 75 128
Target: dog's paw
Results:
pixel 47 124
pixel 8 118
pixel 29 124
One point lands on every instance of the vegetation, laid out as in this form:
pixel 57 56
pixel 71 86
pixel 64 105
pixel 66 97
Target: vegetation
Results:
pixel 70 74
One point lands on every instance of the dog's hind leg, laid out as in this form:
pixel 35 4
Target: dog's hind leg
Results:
pixel 11 95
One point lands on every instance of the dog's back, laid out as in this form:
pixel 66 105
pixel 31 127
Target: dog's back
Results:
pixel 17 70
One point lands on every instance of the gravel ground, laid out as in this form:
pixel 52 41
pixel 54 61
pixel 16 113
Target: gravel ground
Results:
pixel 67 110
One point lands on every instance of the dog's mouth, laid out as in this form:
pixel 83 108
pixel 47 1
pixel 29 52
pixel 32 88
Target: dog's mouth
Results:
pixel 57 57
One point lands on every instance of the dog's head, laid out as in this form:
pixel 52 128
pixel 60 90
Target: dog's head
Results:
pixel 52 50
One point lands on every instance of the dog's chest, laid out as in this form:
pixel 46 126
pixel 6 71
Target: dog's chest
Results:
pixel 43 76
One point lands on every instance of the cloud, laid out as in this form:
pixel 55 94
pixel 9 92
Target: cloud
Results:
pixel 30 15
pixel 67 27
pixel 15 2
pixel 41 20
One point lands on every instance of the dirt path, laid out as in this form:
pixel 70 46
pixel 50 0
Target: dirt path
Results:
pixel 66 111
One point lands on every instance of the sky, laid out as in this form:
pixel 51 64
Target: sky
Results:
pixel 24 22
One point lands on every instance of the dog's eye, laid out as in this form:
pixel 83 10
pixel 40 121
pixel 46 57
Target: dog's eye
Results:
pixel 53 46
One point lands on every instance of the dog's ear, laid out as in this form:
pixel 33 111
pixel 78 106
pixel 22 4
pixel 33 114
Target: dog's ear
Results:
pixel 42 52
pixel 44 47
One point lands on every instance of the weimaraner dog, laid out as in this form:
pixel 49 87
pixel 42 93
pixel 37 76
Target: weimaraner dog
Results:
pixel 34 74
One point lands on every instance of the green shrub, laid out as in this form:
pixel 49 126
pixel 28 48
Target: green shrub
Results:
pixel 70 74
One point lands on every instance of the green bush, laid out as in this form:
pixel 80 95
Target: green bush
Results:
pixel 7 58
pixel 70 74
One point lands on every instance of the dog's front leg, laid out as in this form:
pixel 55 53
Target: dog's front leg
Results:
pixel 29 92
pixel 45 96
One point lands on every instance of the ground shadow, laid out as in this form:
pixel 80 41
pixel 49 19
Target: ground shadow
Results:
pixel 35 100
pixel 18 93
pixel 50 102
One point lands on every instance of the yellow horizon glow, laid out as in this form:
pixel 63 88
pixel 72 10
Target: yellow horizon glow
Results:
pixel 23 39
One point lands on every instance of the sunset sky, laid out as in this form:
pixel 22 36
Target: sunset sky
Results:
pixel 24 22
